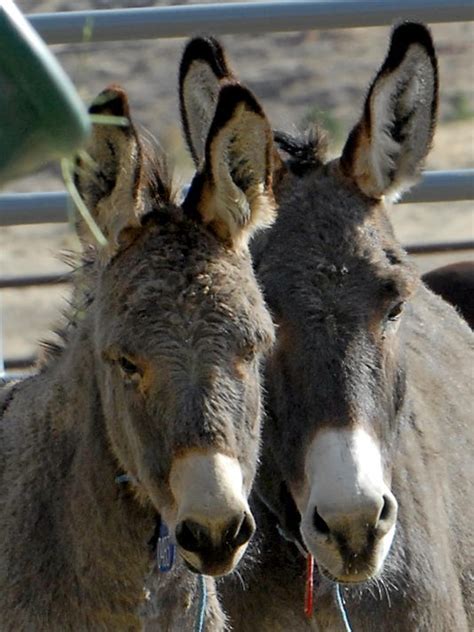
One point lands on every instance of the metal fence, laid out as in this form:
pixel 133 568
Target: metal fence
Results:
pixel 239 17
pixel 258 17
pixel 54 207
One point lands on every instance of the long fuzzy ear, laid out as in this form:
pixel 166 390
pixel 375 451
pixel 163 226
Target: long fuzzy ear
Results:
pixel 202 72
pixel 109 178
pixel 232 192
pixel 385 151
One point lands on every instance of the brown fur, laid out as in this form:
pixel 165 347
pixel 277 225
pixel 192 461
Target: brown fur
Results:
pixel 145 371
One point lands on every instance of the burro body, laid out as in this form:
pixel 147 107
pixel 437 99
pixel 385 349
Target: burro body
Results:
pixel 157 379
pixel 367 441
pixel 455 283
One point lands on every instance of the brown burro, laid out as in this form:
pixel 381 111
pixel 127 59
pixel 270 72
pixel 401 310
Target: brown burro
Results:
pixel 156 382
pixel 367 444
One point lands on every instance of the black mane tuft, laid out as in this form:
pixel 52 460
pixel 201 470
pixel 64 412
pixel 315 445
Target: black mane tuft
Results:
pixel 306 151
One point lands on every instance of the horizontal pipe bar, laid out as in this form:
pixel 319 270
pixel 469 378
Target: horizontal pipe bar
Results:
pixel 239 17
pixel 41 208
pixel 443 246
pixel 33 208
pixel 37 280
pixel 442 186
pixel 19 363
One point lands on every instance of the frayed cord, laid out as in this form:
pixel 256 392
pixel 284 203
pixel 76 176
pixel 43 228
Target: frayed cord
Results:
pixel 309 588
pixel 342 609
pixel 201 618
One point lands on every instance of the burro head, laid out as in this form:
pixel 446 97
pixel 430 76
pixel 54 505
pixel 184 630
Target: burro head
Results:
pixel 339 287
pixel 178 322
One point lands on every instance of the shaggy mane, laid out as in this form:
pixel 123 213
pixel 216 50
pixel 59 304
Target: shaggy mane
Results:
pixel 158 176
pixel 306 151
pixel 82 277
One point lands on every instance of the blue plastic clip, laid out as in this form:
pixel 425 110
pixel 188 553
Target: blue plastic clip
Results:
pixel 165 550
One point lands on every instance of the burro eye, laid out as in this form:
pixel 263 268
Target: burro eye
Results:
pixel 128 368
pixel 395 311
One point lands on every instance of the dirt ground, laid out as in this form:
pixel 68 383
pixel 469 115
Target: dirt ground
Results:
pixel 298 77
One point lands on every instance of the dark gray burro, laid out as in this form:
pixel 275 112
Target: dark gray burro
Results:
pixel 157 378
pixel 455 283
pixel 367 452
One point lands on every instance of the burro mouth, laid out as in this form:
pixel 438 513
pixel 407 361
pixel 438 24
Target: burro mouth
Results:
pixel 215 565
pixel 349 574
pixel 348 510
pixel 336 563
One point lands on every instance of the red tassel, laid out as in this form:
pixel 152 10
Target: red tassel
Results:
pixel 308 598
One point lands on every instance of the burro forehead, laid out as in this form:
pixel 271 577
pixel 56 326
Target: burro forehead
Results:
pixel 170 282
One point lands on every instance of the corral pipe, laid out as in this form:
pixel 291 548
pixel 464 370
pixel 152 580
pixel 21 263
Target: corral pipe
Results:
pixel 259 17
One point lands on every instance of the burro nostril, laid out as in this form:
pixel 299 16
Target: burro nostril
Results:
pixel 388 513
pixel 191 536
pixel 196 538
pixel 320 524
pixel 385 513
pixel 239 531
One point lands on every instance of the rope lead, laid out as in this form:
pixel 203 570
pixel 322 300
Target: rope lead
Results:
pixel 342 609
pixel 199 627
pixel 308 598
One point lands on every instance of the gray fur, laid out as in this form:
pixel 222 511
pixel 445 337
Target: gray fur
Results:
pixel 332 270
pixel 181 305
pixel 331 267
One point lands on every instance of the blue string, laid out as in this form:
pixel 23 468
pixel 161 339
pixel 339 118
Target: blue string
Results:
pixel 342 609
pixel 124 478
pixel 199 627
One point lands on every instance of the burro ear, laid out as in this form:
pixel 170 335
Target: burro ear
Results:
pixel 385 151
pixel 232 192
pixel 108 175
pixel 202 72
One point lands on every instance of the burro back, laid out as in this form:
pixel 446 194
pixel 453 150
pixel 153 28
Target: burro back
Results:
pixel 156 382
pixel 367 433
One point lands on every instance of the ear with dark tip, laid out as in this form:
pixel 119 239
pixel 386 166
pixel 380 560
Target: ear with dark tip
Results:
pixel 385 151
pixel 232 193
pixel 108 177
pixel 202 72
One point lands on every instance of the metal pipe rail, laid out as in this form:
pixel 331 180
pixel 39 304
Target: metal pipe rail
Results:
pixel 26 362
pixel 42 208
pixel 34 208
pixel 34 280
pixel 258 17
pixel 442 186
pixel 439 247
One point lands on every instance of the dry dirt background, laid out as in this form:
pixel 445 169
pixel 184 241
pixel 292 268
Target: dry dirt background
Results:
pixel 297 76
